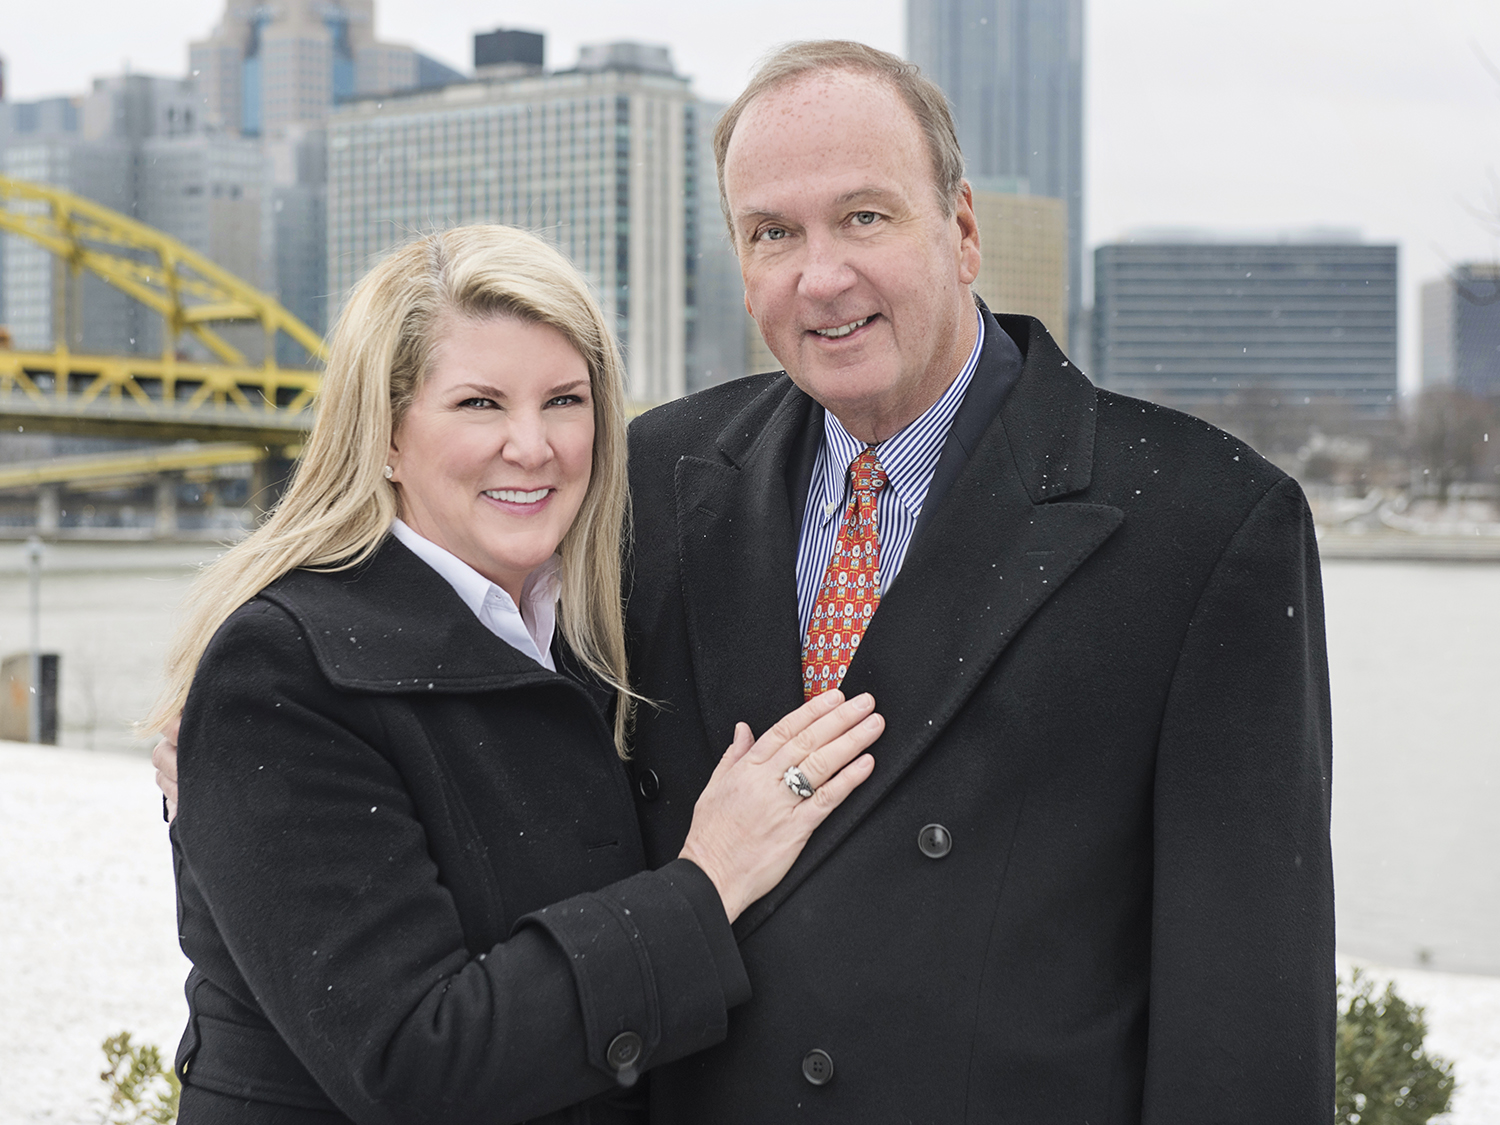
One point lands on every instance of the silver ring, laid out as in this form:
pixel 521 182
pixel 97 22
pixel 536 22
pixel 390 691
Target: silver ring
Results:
pixel 797 782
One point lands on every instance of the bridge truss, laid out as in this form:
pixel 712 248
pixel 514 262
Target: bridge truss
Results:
pixel 167 397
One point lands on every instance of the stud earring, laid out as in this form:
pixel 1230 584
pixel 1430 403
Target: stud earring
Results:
pixel 389 472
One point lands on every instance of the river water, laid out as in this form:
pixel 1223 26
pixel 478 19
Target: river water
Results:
pixel 1414 653
pixel 1414 658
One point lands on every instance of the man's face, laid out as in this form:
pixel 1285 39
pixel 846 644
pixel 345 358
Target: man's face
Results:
pixel 857 278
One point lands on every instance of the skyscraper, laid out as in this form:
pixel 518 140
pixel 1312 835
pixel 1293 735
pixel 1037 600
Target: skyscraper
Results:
pixel 1013 72
pixel 265 68
pixel 607 160
pixel 275 73
pixel 33 278
pixel 212 192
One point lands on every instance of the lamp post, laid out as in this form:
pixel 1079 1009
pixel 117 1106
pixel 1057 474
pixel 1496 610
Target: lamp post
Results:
pixel 34 551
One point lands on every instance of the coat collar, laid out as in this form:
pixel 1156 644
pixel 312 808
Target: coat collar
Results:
pixel 392 624
pixel 738 549
pixel 1049 416
pixel 998 544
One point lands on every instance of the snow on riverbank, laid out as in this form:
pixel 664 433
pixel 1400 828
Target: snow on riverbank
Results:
pixel 88 926
pixel 88 942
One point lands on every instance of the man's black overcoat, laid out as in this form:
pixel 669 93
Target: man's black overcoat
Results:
pixel 409 873
pixel 1103 674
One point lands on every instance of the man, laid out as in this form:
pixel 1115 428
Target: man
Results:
pixel 1090 878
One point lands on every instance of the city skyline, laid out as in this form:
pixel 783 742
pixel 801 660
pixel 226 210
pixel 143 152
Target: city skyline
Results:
pixel 1344 114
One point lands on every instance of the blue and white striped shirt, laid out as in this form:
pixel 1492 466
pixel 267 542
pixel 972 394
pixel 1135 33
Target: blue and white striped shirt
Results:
pixel 909 459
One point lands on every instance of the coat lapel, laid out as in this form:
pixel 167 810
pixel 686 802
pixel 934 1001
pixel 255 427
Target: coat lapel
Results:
pixel 738 551
pixel 358 623
pixel 999 545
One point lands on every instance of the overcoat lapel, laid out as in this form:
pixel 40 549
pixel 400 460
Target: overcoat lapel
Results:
pixel 992 555
pixel 738 553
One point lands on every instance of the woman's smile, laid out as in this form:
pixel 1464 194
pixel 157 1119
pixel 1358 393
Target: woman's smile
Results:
pixel 518 496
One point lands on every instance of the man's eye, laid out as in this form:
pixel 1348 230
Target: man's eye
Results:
pixel 772 234
pixel 865 218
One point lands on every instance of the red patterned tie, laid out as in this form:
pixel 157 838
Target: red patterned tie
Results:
pixel 850 593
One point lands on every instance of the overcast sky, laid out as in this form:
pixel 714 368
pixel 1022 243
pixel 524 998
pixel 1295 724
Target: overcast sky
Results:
pixel 1374 114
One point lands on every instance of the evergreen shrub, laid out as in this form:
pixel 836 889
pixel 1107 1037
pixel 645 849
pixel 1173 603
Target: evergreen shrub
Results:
pixel 1383 1074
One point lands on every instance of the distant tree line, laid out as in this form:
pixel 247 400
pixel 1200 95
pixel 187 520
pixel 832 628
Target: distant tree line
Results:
pixel 1430 442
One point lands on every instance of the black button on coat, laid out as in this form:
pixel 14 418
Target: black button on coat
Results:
pixel 934 841
pixel 410 876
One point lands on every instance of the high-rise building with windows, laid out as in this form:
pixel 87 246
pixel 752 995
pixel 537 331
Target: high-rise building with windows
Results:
pixel 1024 260
pixel 1461 329
pixel 608 160
pixel 275 73
pixel 299 207
pixel 1013 73
pixel 716 347
pixel 212 192
pixel 33 278
pixel 1196 323
pixel 267 67
pixel 136 144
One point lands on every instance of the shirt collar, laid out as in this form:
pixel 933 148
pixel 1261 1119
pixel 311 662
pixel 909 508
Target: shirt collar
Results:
pixel 909 456
pixel 489 602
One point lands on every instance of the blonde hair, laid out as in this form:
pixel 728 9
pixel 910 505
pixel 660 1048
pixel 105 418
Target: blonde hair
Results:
pixel 922 96
pixel 338 507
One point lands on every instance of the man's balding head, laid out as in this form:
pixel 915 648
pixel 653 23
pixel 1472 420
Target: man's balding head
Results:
pixel 922 96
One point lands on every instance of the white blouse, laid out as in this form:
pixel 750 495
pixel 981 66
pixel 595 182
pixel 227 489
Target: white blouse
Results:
pixel 527 628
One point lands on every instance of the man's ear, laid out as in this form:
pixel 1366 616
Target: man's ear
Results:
pixel 968 235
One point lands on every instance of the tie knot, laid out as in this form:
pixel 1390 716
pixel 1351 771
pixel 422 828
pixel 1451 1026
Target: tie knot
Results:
pixel 865 474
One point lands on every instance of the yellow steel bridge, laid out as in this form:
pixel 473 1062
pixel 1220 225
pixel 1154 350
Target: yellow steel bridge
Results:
pixel 240 412
pixel 168 398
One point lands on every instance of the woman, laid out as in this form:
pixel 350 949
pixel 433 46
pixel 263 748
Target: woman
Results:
pixel 409 875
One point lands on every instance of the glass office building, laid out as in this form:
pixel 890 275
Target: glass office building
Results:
pixel 1195 324
pixel 606 160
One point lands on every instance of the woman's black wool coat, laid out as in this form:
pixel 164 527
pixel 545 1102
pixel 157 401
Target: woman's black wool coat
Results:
pixel 410 878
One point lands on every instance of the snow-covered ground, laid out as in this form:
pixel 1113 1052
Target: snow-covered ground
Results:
pixel 88 942
pixel 88 926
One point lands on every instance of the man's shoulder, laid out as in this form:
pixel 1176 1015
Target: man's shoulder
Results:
pixel 1138 442
pixel 693 423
